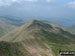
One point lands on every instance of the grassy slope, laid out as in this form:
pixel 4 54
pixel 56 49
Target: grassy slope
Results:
pixel 12 49
pixel 56 41
pixel 38 38
pixel 2 32
pixel 71 29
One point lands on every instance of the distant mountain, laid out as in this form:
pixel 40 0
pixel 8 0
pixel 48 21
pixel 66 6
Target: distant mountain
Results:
pixel 36 38
pixel 65 22
pixel 7 24
pixel 71 29
pixel 61 21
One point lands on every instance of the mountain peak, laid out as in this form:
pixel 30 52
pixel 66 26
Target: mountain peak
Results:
pixel 36 21
pixel 39 24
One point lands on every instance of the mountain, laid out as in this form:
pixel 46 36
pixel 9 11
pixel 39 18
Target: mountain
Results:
pixel 8 24
pixel 36 38
pixel 70 29
pixel 65 22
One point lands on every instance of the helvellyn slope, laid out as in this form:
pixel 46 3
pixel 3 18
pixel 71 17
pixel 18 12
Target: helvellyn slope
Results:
pixel 36 38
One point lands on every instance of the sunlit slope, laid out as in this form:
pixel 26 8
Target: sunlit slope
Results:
pixel 37 38
pixel 7 25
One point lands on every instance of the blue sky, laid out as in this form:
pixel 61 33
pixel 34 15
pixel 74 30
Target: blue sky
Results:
pixel 38 8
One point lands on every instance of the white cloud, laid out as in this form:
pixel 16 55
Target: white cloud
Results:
pixel 10 2
pixel 72 4
pixel 50 0
pixel 39 0
pixel 31 0
pixel 7 2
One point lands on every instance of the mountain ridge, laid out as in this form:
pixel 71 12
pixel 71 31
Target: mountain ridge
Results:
pixel 37 38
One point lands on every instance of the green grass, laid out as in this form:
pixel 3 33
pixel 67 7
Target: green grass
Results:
pixel 56 48
pixel 52 37
pixel 2 32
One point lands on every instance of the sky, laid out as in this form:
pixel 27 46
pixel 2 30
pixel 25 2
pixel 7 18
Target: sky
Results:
pixel 38 8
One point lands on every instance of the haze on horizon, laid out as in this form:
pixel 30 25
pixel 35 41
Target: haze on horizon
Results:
pixel 38 8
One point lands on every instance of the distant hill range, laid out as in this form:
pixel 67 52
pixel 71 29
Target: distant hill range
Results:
pixel 36 38
pixel 7 25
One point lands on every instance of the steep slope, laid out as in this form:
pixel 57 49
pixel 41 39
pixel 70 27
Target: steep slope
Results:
pixel 7 25
pixel 37 38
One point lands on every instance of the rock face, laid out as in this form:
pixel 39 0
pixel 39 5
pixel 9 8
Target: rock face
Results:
pixel 36 38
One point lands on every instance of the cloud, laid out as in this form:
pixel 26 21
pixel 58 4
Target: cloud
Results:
pixel 7 2
pixel 72 4
pixel 50 0
pixel 39 0
pixel 31 0
pixel 10 2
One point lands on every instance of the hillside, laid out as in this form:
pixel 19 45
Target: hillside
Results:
pixel 7 25
pixel 71 29
pixel 36 38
